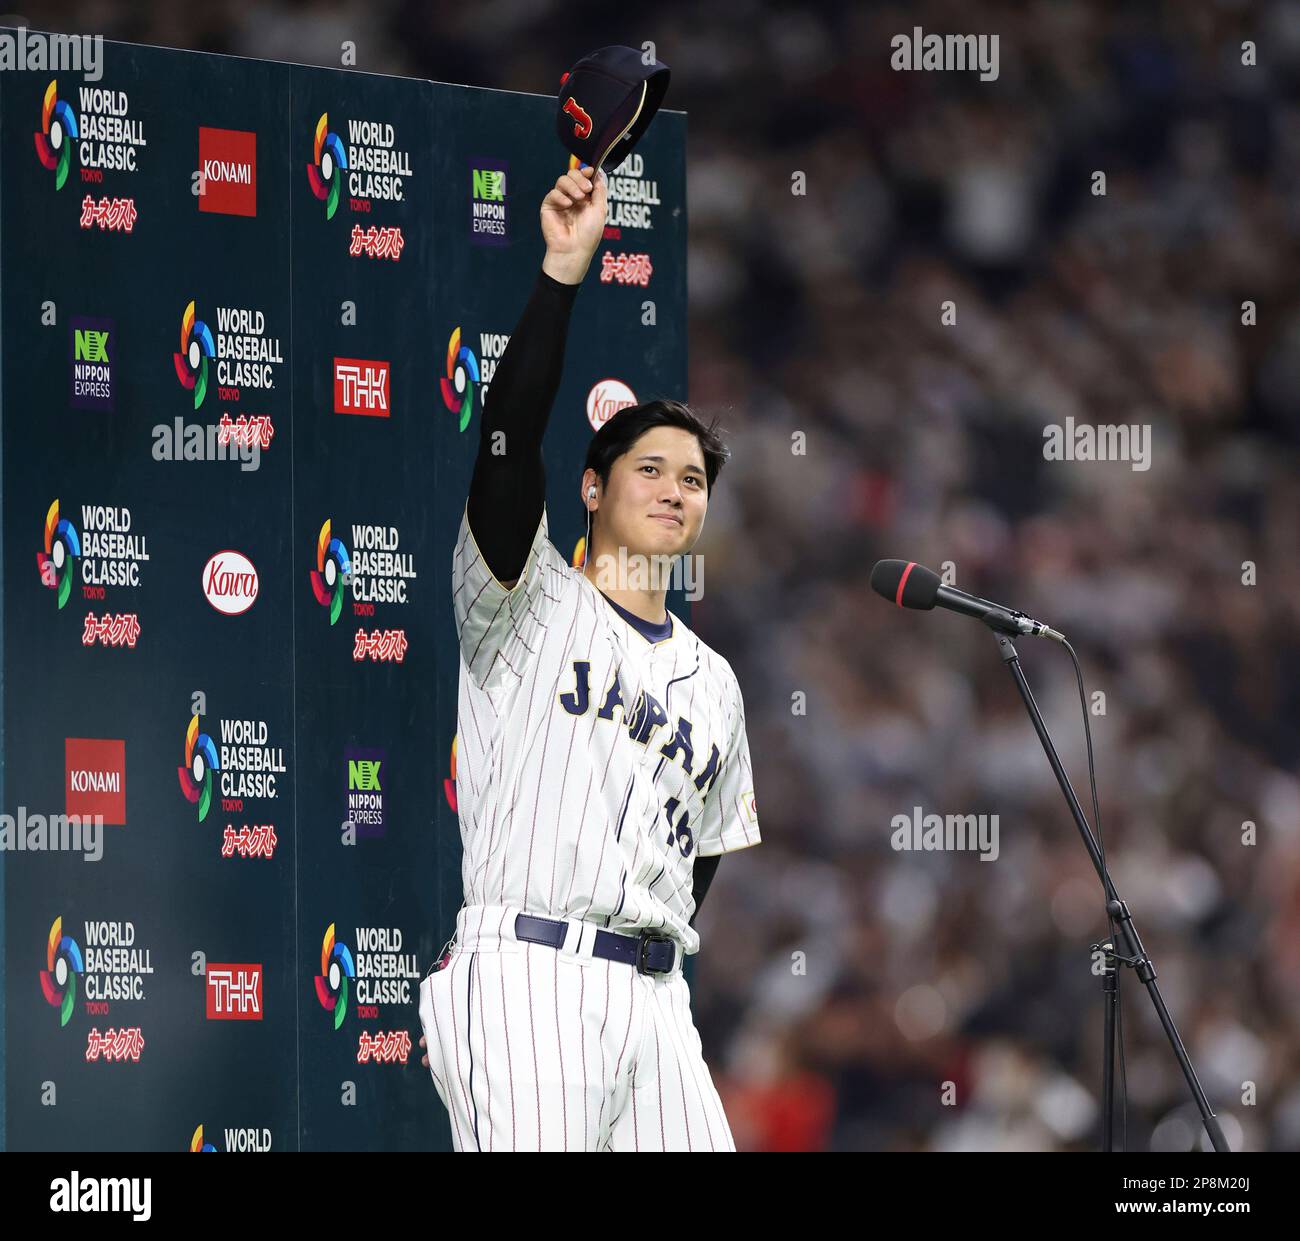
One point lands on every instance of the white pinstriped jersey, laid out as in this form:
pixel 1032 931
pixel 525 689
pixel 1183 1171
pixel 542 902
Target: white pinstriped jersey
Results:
pixel 592 764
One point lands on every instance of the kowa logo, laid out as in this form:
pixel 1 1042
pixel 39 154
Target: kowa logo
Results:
pixel 230 582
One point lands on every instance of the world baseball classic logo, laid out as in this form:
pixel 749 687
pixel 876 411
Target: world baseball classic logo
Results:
pixel 55 137
pixel 329 162
pixel 332 565
pixel 200 763
pixel 55 562
pixel 196 351
pixel 62 965
pixel 335 969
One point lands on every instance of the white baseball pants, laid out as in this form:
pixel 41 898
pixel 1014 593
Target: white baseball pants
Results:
pixel 539 1048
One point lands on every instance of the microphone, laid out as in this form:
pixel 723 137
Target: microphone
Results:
pixel 911 585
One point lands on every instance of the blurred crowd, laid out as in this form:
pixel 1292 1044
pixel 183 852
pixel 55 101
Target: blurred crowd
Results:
pixel 851 996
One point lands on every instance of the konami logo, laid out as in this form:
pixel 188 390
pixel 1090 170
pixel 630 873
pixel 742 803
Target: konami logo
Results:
pixel 227 171
pixel 95 778
pixel 230 582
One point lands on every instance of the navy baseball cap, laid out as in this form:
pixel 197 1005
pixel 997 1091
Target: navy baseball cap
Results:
pixel 607 101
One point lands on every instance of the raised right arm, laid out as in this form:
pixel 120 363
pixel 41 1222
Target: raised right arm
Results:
pixel 508 488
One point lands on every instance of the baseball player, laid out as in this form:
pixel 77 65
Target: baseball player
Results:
pixel 602 767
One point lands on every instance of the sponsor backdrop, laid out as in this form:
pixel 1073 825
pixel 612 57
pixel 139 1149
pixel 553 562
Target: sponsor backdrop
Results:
pixel 250 313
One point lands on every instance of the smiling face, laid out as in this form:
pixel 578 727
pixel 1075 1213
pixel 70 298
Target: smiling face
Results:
pixel 656 498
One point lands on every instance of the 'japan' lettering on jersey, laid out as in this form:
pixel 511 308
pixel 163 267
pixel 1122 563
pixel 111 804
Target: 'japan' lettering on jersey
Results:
pixel 593 765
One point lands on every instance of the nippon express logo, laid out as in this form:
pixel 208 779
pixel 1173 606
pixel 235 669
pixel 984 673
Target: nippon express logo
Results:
pixel 372 167
pixel 62 547
pixel 488 209
pixel 466 374
pixel 91 358
pixel 367 771
pixel 244 355
pixel 361 386
pixel 63 963
pixel 227 180
pixel 336 968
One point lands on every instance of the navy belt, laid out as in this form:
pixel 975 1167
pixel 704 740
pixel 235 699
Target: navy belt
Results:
pixel 650 951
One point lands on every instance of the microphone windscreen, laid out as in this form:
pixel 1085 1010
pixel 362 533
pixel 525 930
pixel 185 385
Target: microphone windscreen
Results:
pixel 906 583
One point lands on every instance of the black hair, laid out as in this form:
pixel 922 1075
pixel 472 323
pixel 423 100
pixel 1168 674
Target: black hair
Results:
pixel 627 426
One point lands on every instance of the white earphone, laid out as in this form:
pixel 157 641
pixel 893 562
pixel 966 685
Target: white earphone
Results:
pixel 586 543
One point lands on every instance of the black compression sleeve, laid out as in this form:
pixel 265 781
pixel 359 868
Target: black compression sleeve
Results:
pixel 705 868
pixel 508 489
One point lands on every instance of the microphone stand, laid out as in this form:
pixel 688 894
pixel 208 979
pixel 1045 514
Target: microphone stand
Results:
pixel 1133 954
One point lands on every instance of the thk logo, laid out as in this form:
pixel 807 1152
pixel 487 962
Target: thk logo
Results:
pixel 234 992
pixel 361 387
